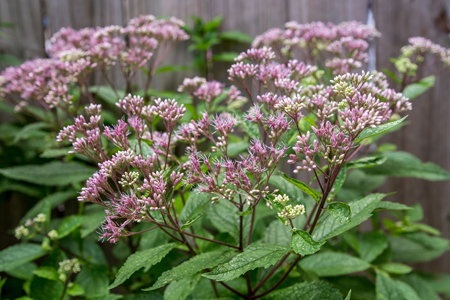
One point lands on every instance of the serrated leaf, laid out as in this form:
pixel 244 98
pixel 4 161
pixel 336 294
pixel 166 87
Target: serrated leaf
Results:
pixel 251 129
pixel 388 289
pixel 313 193
pixel 141 259
pixel 52 153
pixel 54 199
pixel 277 233
pixel 191 222
pixel 16 255
pixel 29 131
pixel 403 164
pixel 51 174
pixel 254 256
pixel 45 289
pixel 318 290
pixel 224 218
pixel 180 290
pixel 24 271
pixel 372 244
pixel 366 162
pixel 303 243
pixel 69 224
pixel 95 215
pixel 333 264
pixel 422 288
pixel 47 272
pixel 392 206
pixel 369 132
pixel 417 247
pixel 192 266
pixel 361 211
pixel 195 204
pixel 341 212
pixel 418 88
pixel 94 280
pixel 395 268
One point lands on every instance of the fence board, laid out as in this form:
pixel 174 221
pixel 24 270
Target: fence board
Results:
pixel 427 135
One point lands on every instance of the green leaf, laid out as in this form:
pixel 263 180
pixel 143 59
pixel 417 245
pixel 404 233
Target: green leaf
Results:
pixel 173 68
pixel 107 93
pixel 372 244
pixel 333 264
pixel 313 193
pixel 223 216
pixel 47 272
pixel 225 56
pixel 140 259
pixel 237 148
pixel 95 215
pixel 396 268
pixel 361 211
pixel 237 36
pixel 388 289
pixel 349 295
pixel 392 206
pixel 303 244
pixel 403 164
pixel 251 129
pixel 180 290
pixel 195 205
pixel 366 162
pixel 415 214
pixel 24 271
pixel 254 256
pixel 52 153
pixel 318 290
pixel 69 224
pixel 30 131
pixel 44 289
pixel 277 233
pixel 54 200
pixel 369 132
pixel 291 190
pixel 51 174
pixel 340 179
pixel 16 255
pixel 191 222
pixel 418 88
pixel 94 280
pixel 420 286
pixel 417 247
pixel 341 212
pixel 192 266
pixel 75 290
pixel 146 149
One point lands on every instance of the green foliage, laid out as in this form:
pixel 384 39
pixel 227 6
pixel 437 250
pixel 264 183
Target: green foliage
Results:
pixel 191 267
pixel 373 243
pixel 254 256
pixel 51 174
pixel 303 186
pixel 341 212
pixel 69 224
pixel 418 88
pixel 370 132
pixel 303 244
pixel 403 164
pixel 307 291
pixel 19 254
pixel 325 264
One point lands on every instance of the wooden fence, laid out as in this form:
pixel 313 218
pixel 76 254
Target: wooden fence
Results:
pixel 427 135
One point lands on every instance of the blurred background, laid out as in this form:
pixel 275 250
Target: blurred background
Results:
pixel 27 24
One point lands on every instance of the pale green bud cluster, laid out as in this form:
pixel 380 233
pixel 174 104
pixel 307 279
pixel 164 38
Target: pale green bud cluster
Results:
pixel 21 231
pixel 342 105
pixel 289 212
pixel 68 266
pixel 129 178
pixel 405 65
pixel 53 234
pixel 237 103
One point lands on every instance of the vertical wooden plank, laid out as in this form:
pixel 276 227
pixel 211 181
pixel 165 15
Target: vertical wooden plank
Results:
pixel 25 40
pixel 427 135
pixel 335 11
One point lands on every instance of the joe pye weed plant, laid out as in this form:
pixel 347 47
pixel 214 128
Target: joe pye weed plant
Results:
pixel 195 190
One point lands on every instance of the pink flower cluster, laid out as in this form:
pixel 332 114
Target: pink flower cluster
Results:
pixel 344 45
